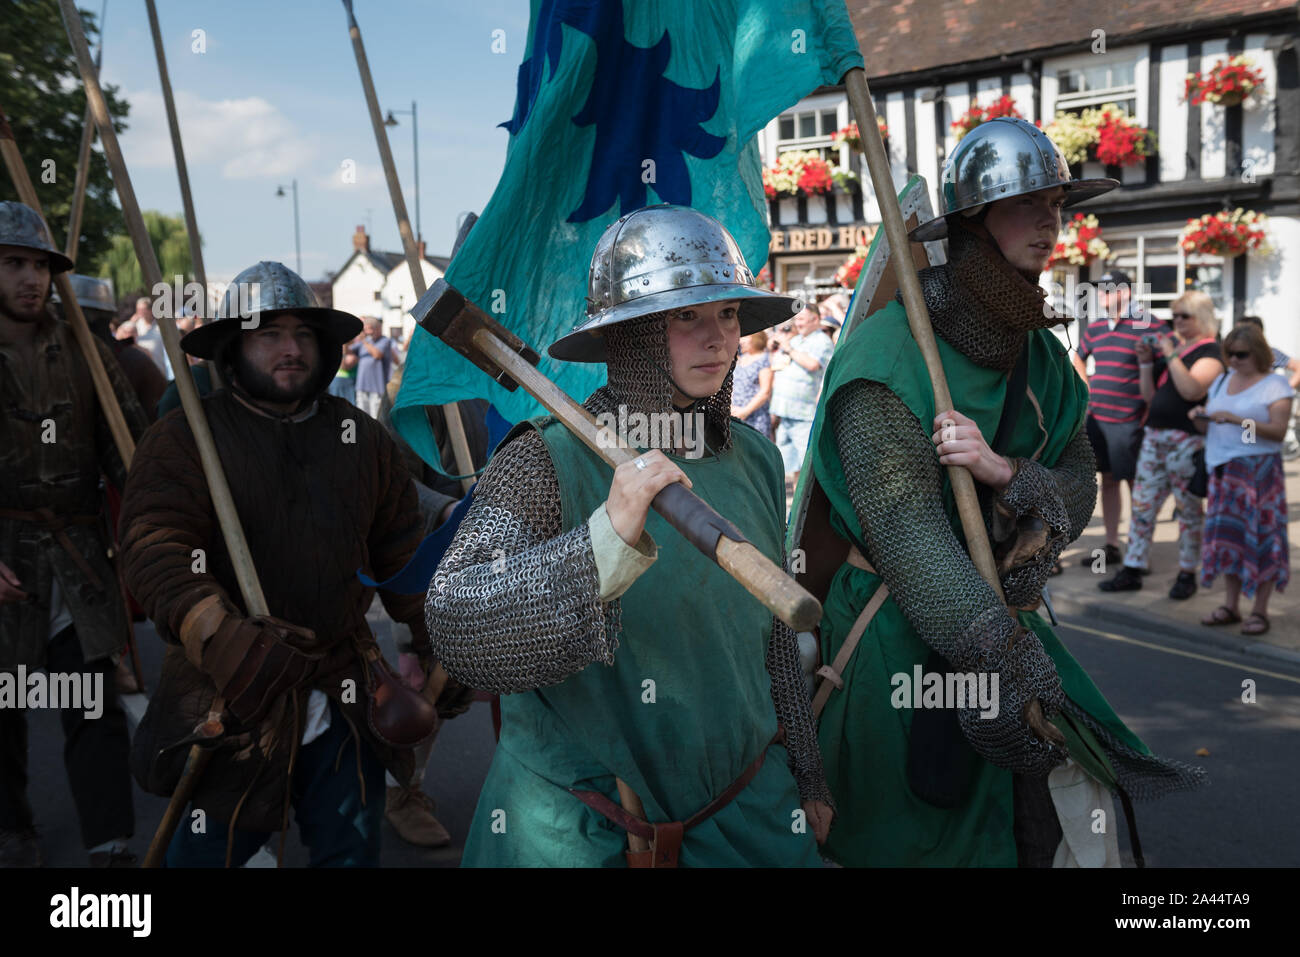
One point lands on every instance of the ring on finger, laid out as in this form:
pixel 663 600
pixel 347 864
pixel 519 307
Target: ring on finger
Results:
pixel 640 465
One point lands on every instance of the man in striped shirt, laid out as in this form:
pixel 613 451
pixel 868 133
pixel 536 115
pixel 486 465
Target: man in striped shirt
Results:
pixel 1115 405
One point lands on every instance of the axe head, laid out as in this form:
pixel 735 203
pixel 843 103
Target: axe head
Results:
pixel 445 313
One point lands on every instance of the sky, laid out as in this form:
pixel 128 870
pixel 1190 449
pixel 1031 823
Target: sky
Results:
pixel 269 92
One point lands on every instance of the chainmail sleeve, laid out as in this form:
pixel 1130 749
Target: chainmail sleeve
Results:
pixel 514 604
pixel 794 711
pixel 895 482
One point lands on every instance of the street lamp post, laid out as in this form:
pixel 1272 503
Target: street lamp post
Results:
pixel 297 240
pixel 391 120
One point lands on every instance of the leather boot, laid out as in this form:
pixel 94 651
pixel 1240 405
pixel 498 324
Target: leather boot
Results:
pixel 20 848
pixel 410 811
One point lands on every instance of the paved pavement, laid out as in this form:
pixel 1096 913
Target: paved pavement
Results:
pixel 1076 590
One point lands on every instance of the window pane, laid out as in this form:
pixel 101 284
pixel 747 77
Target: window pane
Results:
pixel 1121 74
pixel 828 122
pixel 1068 82
pixel 785 128
pixel 1095 78
pixel 1163 280
pixel 807 125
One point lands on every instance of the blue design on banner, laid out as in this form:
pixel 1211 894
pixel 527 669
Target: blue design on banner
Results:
pixel 665 124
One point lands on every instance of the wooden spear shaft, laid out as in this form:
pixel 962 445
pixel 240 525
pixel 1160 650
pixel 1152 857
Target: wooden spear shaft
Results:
pixel 71 308
pixel 182 172
pixel 451 411
pixel 223 504
pixel 918 317
pixel 83 160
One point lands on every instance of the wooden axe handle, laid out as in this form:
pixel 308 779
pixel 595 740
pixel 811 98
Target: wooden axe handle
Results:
pixel 685 511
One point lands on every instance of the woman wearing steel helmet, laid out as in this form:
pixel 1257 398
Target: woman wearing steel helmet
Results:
pixel 978 778
pixel 621 651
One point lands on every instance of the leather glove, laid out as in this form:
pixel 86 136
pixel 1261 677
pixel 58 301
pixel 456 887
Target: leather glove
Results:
pixel 254 661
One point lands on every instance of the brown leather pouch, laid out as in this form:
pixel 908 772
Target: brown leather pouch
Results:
pixel 397 715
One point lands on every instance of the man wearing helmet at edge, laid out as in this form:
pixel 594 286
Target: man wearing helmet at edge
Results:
pixel 321 492
pixel 620 651
pixel 961 783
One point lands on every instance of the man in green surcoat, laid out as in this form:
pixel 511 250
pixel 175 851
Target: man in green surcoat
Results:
pixel 622 653
pixel 933 763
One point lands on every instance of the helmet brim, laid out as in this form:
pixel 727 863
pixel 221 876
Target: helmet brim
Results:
pixel 1076 191
pixel 206 341
pixel 759 309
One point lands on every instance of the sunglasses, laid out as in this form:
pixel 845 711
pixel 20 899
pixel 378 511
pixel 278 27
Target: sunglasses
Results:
pixel 1239 355
pixel 1182 315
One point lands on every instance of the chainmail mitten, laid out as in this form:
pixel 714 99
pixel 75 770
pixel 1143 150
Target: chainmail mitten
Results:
pixel 514 604
pixel 1062 498
pixel 794 711
pixel 895 481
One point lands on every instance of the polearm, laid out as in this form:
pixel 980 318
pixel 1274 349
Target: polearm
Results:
pixel 182 171
pixel 83 159
pixel 462 325
pixel 228 519
pixel 117 426
pixel 451 411
pixel 918 318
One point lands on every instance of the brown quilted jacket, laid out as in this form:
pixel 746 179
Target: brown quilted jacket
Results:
pixel 54 445
pixel 318 498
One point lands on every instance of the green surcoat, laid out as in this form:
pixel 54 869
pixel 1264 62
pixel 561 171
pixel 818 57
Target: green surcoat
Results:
pixel 681 713
pixel 864 739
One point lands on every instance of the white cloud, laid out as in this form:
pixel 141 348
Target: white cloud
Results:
pixel 246 138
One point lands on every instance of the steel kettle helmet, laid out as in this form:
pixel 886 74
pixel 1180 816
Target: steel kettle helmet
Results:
pixel 666 257
pixel 20 225
pixel 262 292
pixel 1003 157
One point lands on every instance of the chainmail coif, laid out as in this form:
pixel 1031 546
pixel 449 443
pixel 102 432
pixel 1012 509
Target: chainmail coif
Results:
pixel 514 604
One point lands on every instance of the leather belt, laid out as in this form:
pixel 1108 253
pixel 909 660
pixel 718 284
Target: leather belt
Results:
pixel 55 524
pixel 665 839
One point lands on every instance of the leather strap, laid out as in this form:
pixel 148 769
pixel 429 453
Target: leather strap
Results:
pixel 832 675
pixel 666 839
pixel 199 624
pixel 56 524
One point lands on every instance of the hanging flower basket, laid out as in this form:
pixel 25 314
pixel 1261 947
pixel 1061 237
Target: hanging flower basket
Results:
pixel 1226 233
pixel 1225 84
pixel 1002 106
pixel 1108 135
pixel 798 172
pixel 1080 243
pixel 853 138
pixel 847 275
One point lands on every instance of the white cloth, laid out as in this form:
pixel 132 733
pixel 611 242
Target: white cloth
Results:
pixel 618 564
pixel 318 717
pixel 60 617
pixel 1228 441
pixel 1089 830
pixel 151 342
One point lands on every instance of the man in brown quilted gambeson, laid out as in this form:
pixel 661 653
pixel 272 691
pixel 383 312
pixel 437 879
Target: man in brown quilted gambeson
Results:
pixel 321 493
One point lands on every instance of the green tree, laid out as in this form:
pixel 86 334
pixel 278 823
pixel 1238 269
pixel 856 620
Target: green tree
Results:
pixel 170 244
pixel 42 96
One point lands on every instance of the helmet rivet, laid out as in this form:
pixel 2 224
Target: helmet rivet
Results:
pixel 645 282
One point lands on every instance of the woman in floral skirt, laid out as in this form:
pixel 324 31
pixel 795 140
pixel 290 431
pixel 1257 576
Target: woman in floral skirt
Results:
pixel 1245 530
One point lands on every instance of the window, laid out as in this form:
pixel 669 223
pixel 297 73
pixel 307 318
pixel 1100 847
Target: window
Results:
pixel 808 278
pixel 1087 83
pixel 809 130
pixel 1168 272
